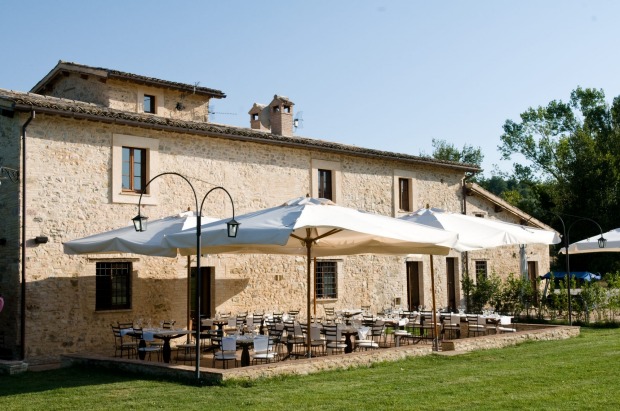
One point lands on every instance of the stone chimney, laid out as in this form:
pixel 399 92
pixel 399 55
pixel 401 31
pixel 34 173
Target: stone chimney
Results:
pixel 259 117
pixel 277 117
pixel 281 116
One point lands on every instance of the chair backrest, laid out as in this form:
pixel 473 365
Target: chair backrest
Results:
pixel 298 330
pixel 377 329
pixel 137 333
pixel 293 313
pixel 261 343
pixel 330 311
pixel 363 332
pixel 472 319
pixel 166 325
pixel 367 320
pixel 229 343
pixel 117 332
pixel 125 325
pixel 332 332
pixel 315 332
pixel 276 331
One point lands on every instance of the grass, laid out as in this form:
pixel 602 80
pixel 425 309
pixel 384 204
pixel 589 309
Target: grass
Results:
pixel 579 373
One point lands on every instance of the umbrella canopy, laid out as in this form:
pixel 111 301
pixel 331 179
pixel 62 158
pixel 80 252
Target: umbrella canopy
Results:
pixel 328 228
pixel 476 233
pixel 128 240
pixel 590 245
pixel 317 227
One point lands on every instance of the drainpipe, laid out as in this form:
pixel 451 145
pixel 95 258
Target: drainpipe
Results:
pixel 23 285
pixel 465 254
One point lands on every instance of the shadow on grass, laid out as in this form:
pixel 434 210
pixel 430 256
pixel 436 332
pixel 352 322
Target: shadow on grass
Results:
pixel 72 377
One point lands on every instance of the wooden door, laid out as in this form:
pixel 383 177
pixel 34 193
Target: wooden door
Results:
pixel 451 283
pixel 413 285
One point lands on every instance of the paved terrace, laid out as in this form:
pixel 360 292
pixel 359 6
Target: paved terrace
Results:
pixel 525 332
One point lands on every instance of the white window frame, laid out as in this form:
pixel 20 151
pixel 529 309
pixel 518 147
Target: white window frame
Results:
pixel 336 169
pixel 407 175
pixel 152 165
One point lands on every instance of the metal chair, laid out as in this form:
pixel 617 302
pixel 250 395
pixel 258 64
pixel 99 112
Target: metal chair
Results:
pixel 227 352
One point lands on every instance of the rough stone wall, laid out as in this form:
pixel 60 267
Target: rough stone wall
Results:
pixel 74 87
pixel 123 95
pixel 10 130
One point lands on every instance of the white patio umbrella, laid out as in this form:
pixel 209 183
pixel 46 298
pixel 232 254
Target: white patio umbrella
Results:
pixel 591 245
pixel 475 233
pixel 316 227
pixel 128 240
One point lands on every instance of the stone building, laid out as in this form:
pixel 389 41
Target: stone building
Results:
pixel 86 140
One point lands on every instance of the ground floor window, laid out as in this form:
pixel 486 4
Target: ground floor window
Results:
pixel 481 268
pixel 113 284
pixel 326 279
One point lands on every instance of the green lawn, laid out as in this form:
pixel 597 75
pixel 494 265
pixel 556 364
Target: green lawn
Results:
pixel 580 373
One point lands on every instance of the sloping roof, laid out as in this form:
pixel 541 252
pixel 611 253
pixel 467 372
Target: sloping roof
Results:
pixel 26 102
pixel 65 66
pixel 473 188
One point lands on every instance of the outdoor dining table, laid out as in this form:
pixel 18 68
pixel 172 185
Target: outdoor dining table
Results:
pixel 166 335
pixel 348 331
pixel 245 341
pixel 162 334
pixel 348 313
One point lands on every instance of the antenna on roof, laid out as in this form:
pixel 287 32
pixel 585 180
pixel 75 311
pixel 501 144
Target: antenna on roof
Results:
pixel 196 85
pixel 212 112
pixel 298 121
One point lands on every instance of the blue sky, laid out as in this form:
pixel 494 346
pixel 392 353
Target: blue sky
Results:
pixel 388 75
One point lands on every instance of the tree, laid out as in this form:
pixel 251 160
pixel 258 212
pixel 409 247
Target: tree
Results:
pixel 574 148
pixel 443 150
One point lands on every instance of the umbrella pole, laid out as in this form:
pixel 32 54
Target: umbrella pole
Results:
pixel 314 293
pixel 189 297
pixel 435 338
pixel 309 262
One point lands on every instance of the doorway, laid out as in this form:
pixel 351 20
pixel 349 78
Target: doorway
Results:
pixel 451 283
pixel 414 283
pixel 206 302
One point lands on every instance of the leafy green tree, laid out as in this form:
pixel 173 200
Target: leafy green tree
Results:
pixel 443 150
pixel 574 148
